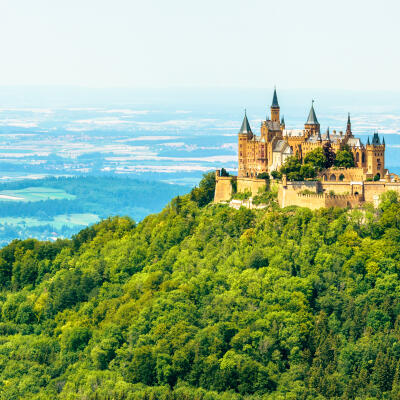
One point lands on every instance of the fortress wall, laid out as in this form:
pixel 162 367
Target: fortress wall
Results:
pixel 288 194
pixel 252 185
pixel 343 201
pixel 337 187
pixel 223 188
pixel 372 191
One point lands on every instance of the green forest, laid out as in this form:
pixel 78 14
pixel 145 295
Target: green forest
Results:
pixel 205 302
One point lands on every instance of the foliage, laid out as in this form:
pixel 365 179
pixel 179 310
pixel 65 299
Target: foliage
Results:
pixel 316 158
pixel 296 171
pixel 329 154
pixel 204 194
pixel 377 177
pixel 344 158
pixel 224 172
pixel 263 175
pixel 242 195
pixel 207 303
pixel 276 174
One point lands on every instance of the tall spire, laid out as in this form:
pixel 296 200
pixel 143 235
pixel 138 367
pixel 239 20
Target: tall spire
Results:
pixel 245 128
pixel 283 120
pixel 368 142
pixel 275 103
pixel 312 118
pixel 348 128
pixel 383 140
pixel 328 135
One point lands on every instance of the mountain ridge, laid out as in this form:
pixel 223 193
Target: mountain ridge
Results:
pixel 203 301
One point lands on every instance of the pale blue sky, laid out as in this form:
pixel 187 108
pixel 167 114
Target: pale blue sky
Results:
pixel 351 44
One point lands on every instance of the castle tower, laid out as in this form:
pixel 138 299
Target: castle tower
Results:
pixel 283 123
pixel 244 136
pixel 275 109
pixel 348 127
pixel 376 156
pixel 312 124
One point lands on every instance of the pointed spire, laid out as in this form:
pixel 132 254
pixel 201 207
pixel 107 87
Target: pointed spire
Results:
pixel 319 136
pixel 275 103
pixel 368 142
pixel 245 128
pixel 348 128
pixel 328 135
pixel 375 139
pixel 283 120
pixel 312 118
pixel 383 140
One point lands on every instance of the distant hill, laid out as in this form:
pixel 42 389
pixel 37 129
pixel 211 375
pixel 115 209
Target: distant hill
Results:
pixel 206 302
pixel 60 207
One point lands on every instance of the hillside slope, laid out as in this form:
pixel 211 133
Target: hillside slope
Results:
pixel 207 303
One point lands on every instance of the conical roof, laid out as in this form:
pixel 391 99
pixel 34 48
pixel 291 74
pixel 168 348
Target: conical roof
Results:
pixel 375 139
pixel 328 136
pixel 283 120
pixel 275 103
pixel 348 119
pixel 312 118
pixel 245 128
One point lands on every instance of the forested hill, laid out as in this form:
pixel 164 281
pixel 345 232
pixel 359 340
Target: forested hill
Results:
pixel 205 302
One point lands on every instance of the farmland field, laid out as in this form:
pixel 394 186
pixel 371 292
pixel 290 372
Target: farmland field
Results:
pixel 35 194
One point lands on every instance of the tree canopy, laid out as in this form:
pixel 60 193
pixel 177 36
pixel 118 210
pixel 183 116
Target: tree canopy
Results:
pixel 207 303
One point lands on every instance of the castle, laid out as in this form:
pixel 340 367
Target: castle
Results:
pixel 269 151
pixel 335 186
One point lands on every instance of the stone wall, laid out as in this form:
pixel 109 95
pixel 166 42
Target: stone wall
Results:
pixel 252 185
pixel 223 188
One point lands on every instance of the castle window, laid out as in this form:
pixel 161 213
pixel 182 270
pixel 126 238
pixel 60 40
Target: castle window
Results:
pixel 332 177
pixel 363 157
pixel 357 157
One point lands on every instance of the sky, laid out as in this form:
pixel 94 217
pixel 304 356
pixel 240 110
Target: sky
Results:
pixel 351 45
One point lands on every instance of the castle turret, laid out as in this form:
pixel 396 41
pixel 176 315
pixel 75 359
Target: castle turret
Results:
pixel 283 123
pixel 349 133
pixel 312 124
pixel 244 136
pixel 376 156
pixel 275 109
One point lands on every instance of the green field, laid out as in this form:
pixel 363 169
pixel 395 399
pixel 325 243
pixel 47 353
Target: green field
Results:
pixel 35 194
pixel 57 222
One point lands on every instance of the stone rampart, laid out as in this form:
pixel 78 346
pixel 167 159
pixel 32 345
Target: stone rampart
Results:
pixel 252 185
pixel 223 188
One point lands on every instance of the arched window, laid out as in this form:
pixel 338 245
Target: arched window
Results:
pixel 363 157
pixel 324 177
pixel 357 157
pixel 332 177
pixel 341 177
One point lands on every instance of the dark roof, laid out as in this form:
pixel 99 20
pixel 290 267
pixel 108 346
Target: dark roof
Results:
pixel 283 120
pixel 368 142
pixel 275 100
pixel 348 119
pixel 375 139
pixel 245 128
pixel 383 140
pixel 327 134
pixel 312 118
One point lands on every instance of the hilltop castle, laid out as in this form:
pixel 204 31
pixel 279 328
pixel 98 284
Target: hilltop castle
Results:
pixel 334 186
pixel 267 152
